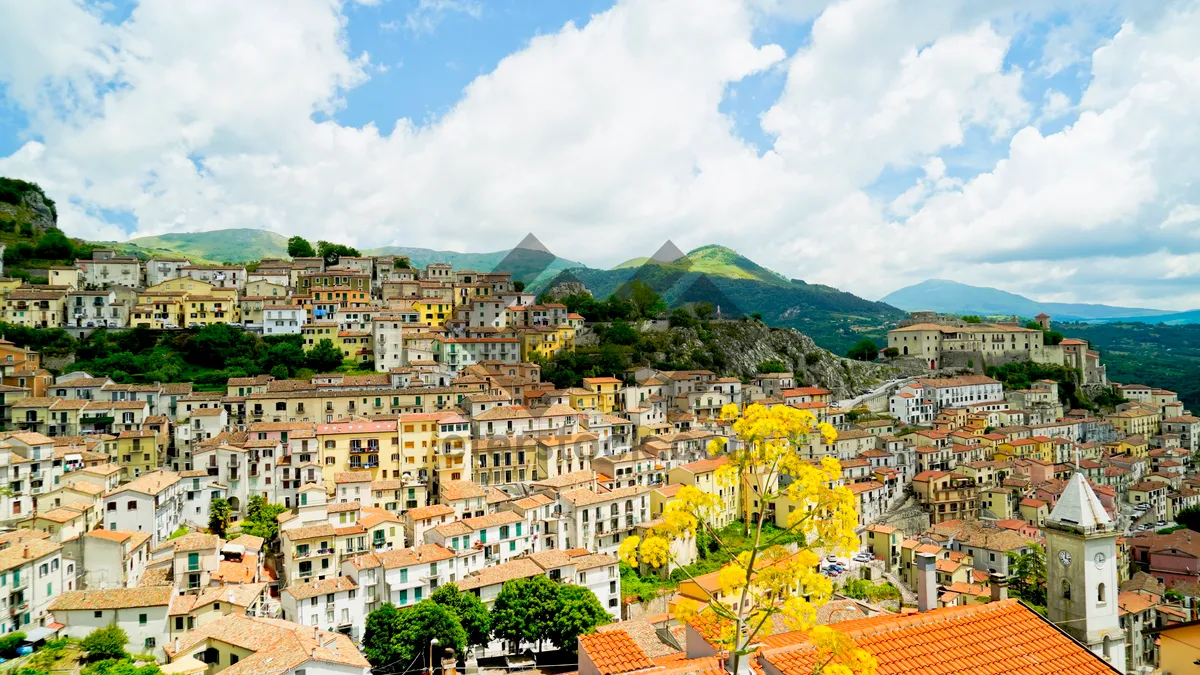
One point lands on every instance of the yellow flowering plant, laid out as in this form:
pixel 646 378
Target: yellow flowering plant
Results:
pixel 766 579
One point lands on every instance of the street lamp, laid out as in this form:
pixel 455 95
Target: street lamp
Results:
pixel 432 643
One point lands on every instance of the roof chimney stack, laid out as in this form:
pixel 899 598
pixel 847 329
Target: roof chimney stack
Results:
pixel 999 587
pixel 926 582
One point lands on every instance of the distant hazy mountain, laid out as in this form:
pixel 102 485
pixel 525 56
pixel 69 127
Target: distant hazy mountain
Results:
pixel 940 295
pixel 739 287
pixel 236 246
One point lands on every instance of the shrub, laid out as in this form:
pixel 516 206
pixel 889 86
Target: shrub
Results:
pixel 105 643
pixel 9 644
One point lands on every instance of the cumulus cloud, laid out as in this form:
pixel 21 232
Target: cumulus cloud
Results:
pixel 607 138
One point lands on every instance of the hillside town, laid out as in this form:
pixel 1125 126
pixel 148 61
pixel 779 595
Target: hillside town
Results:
pixel 455 463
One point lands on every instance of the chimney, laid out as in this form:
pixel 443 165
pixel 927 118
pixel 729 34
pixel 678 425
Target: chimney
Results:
pixel 25 553
pixel 999 586
pixel 175 647
pixel 926 582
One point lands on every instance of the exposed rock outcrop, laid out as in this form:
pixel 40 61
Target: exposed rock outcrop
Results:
pixel 562 290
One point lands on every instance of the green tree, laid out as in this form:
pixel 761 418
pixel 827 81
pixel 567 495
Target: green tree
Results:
pixel 519 286
pixel 619 333
pixel 298 247
pixel 525 610
pixel 645 302
pixel 579 612
pixel 279 372
pixel 324 357
pixel 864 350
pixel 382 625
pixel 9 644
pixel 772 366
pixel 891 352
pixel 105 643
pixel 219 516
pixel 1189 518
pixel 681 317
pixel 972 318
pixel 471 613
pixel 1028 575
pixel 396 638
pixel 53 245
pixel 120 667
pixel 332 253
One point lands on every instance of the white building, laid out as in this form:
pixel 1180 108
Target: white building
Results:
pixel 388 332
pixel 112 558
pixel 412 574
pixel 268 647
pixel 149 503
pixel 32 573
pixel 283 319
pixel 140 612
pixel 917 402
pixel 159 270
pixel 96 309
pixel 334 604
pixel 220 276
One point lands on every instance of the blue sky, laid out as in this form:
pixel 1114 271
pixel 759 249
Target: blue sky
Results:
pixel 1008 143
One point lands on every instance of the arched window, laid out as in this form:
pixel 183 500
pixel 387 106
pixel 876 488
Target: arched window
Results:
pixel 1107 646
pixel 1100 596
pixel 1066 589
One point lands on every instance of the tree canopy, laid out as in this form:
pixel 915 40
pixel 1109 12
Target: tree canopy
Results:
pixel 525 610
pixel 864 350
pixel 469 610
pixel 579 612
pixel 395 637
pixel 219 516
pixel 105 643
pixel 298 247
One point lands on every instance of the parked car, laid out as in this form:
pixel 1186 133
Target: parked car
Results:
pixel 1161 523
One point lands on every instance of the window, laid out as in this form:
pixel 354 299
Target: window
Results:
pixel 1100 594
pixel 141 619
pixel 1066 589
pixel 97 614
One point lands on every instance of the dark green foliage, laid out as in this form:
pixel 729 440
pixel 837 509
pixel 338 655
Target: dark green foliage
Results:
pixel 105 643
pixel 891 352
pixel 1189 518
pixel 1021 374
pixel 525 610
pixel 612 309
pixel 333 252
pixel 519 286
pixel 864 350
pixel 120 667
pixel 324 357
pixel 772 367
pixel 812 358
pixel 54 245
pixel 470 611
pixel 279 372
pixel 579 612
pixel 757 316
pixel 567 369
pixel 13 191
pixel 261 519
pixel 1153 354
pixel 1052 337
pixel 681 317
pixel 395 638
pixel 9 644
pixel 618 333
pixel 1027 578
pixel 219 516
pixel 972 318
pixel 646 303
pixel 298 247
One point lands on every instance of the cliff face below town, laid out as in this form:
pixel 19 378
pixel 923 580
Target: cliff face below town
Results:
pixel 741 346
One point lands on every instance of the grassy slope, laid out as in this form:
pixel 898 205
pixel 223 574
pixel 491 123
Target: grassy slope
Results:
pixel 237 246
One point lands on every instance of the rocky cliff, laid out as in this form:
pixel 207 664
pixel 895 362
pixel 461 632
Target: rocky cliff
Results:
pixel 741 346
pixel 23 203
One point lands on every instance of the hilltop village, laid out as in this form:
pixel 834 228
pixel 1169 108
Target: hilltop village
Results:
pixel 454 463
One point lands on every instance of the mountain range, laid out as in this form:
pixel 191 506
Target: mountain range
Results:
pixel 941 295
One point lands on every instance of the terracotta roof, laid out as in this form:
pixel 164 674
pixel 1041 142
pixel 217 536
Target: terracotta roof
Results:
pixel 352 477
pixel 321 587
pixel 432 511
pixel 113 598
pixel 277 646
pixel 405 557
pixel 614 652
pixel 999 637
pixel 148 483
pixel 455 490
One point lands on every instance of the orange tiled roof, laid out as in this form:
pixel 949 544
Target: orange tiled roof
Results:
pixel 998 637
pixel 614 652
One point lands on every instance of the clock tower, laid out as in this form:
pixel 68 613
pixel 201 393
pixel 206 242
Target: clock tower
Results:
pixel 1081 572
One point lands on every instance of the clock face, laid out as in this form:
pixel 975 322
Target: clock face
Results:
pixel 1100 560
pixel 1064 558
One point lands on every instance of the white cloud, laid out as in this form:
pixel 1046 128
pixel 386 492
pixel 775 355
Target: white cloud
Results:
pixel 425 17
pixel 607 139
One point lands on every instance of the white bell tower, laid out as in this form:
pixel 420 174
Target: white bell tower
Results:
pixel 1081 572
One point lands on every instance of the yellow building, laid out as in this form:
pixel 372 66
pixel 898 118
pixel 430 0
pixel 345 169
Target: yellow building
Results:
pixel 205 310
pixel 35 308
pixel 703 474
pixel 583 399
pixel 158 315
pixel 137 453
pixel 606 389
pixel 434 311
pixel 546 341
pixel 1136 421
pixel 315 331
pixel 1025 448
pixel 65 276
pixel 1134 446
pixel 359 446
pixel 884 542
pixel 356 345
pixel 9 284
